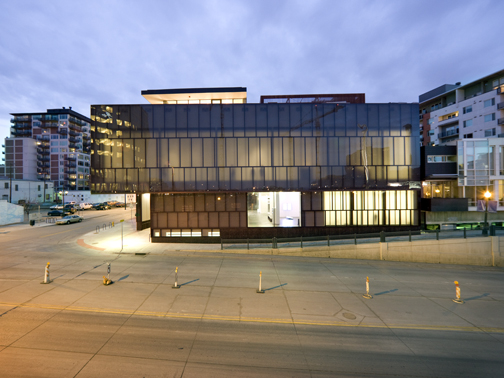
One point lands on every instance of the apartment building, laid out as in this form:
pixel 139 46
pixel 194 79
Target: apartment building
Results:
pixel 51 146
pixel 454 111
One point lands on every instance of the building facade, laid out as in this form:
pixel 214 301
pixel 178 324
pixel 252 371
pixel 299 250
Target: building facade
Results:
pixel 452 112
pixel 212 169
pixel 52 146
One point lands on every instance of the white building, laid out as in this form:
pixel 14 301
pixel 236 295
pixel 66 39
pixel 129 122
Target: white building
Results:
pixel 29 191
pixel 452 112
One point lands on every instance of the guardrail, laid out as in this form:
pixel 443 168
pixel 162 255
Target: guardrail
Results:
pixel 328 240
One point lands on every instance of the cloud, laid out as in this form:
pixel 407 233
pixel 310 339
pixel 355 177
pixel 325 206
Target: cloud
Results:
pixel 62 53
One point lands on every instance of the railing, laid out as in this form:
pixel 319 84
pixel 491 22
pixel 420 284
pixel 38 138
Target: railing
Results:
pixel 329 240
pixel 500 121
pixel 448 133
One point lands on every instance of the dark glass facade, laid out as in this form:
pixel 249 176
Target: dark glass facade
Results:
pixel 192 151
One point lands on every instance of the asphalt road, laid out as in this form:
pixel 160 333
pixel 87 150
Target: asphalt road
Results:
pixel 311 322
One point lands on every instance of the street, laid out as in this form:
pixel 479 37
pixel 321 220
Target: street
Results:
pixel 312 320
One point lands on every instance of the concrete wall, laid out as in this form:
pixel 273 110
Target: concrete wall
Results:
pixel 482 251
pixel 10 213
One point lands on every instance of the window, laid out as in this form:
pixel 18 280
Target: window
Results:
pixel 431 132
pixel 39 188
pixel 63 116
pixel 490 132
pixel 468 123
pixel 468 109
pixel 16 188
pixel 55 136
pixel 489 102
pixel 6 185
pixel 441 158
pixel 490 117
pixel 468 136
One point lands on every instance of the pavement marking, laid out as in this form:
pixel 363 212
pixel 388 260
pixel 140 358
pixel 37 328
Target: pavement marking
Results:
pixel 83 244
pixel 423 327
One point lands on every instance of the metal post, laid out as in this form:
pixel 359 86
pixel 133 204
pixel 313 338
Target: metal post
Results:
pixel 260 291
pixel 247 243
pixel 410 236
pixel 301 242
pixel 465 236
pixel 355 239
pixel 106 280
pixel 437 234
pixel 485 226
pixel 382 236
pixel 122 244
pixel 176 285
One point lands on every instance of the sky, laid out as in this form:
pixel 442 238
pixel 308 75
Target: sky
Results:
pixel 57 54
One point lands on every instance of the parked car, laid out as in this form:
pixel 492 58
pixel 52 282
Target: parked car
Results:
pixel 85 206
pixel 120 204
pixel 69 219
pixel 70 208
pixel 55 213
pixel 57 206
pixel 110 203
pixel 103 206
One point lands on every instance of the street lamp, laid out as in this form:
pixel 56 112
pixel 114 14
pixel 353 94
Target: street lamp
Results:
pixel 62 192
pixel 487 196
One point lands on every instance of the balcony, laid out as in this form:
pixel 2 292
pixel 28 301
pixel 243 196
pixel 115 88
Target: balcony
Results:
pixel 44 177
pixel 448 133
pixel 43 170
pixel 77 121
pixel 20 119
pixel 74 139
pixel 21 133
pixel 43 165
pixel 71 158
pixel 43 158
pixel 42 151
pixel 71 165
pixel 500 105
pixel 63 131
pixel 22 125
pixel 71 171
pixel 47 124
pixel 448 122
pixel 44 137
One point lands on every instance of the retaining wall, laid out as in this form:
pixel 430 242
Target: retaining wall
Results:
pixel 482 251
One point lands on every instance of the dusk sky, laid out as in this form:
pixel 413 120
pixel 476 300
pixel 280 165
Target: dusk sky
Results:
pixel 77 53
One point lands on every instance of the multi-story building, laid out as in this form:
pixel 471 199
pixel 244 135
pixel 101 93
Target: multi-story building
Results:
pixel 454 111
pixel 52 146
pixel 203 165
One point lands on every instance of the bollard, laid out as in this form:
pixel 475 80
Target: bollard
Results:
pixel 47 278
pixel 97 229
pixel 367 295
pixel 260 291
pixel 106 280
pixel 410 236
pixel 457 294
pixel 248 245
pixel 382 237
pixel 465 236
pixel 328 241
pixel 113 225
pixel 104 226
pixel 176 285
pixel 355 239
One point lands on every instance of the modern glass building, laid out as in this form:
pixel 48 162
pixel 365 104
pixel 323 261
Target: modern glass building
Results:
pixel 205 164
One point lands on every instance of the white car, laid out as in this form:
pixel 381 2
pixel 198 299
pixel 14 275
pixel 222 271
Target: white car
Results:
pixel 86 206
pixel 69 219
pixel 58 206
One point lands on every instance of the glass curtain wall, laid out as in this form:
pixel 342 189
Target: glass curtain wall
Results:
pixel 253 147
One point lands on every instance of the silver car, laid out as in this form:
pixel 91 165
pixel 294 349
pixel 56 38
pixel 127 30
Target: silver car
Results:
pixel 70 219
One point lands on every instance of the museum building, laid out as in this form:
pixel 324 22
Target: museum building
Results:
pixel 206 165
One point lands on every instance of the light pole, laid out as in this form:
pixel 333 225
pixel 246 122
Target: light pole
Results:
pixel 487 197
